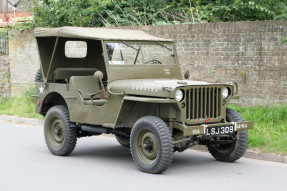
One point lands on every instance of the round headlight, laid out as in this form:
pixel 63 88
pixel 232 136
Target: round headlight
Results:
pixel 179 95
pixel 225 93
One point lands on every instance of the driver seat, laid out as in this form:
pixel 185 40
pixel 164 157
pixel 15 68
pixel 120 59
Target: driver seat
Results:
pixel 88 90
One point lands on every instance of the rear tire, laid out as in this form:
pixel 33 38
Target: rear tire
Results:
pixel 232 151
pixel 60 133
pixel 124 141
pixel 151 145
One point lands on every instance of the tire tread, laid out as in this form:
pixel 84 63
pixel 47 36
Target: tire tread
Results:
pixel 166 142
pixel 70 129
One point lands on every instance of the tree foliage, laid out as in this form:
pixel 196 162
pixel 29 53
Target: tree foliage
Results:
pixel 98 13
pixel 90 13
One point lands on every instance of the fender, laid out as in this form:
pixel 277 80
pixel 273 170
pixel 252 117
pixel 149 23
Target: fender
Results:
pixel 131 111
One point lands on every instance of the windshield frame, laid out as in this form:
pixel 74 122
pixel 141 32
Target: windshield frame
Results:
pixel 159 43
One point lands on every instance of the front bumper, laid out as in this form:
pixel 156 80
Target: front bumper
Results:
pixel 202 129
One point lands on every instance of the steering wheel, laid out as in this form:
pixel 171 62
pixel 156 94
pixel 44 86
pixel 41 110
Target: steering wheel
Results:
pixel 153 62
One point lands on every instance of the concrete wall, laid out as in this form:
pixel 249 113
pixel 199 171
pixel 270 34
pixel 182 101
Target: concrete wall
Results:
pixel 4 77
pixel 248 53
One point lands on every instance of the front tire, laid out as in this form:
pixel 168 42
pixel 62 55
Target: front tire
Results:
pixel 151 145
pixel 231 152
pixel 60 133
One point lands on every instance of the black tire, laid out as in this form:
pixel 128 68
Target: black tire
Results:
pixel 124 141
pixel 232 151
pixel 38 76
pixel 157 153
pixel 60 133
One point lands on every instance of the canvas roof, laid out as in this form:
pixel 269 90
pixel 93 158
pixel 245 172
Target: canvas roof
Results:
pixel 97 34
pixel 14 2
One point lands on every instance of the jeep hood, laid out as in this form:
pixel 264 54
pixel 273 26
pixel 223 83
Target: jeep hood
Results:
pixel 151 87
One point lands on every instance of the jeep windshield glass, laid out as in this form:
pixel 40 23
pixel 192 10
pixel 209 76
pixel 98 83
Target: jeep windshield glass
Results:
pixel 140 53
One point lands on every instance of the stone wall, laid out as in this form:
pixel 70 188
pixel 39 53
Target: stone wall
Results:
pixel 249 53
pixel 4 77
pixel 24 60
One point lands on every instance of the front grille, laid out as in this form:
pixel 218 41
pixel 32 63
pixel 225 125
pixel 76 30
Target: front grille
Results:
pixel 203 103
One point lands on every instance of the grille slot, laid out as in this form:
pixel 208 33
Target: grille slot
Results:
pixel 202 103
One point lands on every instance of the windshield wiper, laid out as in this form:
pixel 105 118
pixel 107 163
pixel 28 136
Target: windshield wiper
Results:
pixel 162 45
pixel 138 50
pixel 129 45
pixel 172 55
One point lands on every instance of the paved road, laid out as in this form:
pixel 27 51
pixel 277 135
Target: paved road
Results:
pixel 99 163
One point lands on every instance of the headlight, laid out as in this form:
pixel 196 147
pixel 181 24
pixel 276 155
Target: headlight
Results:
pixel 225 93
pixel 179 95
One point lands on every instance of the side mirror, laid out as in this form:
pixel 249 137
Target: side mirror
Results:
pixel 98 75
pixel 186 74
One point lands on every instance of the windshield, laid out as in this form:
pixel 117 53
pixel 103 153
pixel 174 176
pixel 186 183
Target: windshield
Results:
pixel 140 53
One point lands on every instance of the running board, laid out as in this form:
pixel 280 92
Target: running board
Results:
pixel 100 129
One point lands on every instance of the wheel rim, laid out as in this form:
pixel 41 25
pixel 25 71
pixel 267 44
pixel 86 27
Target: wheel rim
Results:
pixel 57 132
pixel 146 146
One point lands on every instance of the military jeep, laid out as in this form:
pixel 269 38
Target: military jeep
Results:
pixel 128 83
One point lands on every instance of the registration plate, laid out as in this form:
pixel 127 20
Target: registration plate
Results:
pixel 211 131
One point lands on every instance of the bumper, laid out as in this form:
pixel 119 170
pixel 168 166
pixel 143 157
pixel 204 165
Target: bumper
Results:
pixel 203 129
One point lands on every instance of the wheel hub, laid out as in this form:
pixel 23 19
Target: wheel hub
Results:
pixel 58 131
pixel 148 145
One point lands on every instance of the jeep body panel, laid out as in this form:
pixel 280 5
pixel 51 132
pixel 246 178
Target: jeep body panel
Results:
pixel 79 113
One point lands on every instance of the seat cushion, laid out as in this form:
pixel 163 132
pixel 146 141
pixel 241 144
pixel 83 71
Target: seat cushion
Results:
pixel 66 73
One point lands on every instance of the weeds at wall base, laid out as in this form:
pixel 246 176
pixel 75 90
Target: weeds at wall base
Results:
pixel 22 106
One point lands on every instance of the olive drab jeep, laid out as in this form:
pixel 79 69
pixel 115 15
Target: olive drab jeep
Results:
pixel 95 81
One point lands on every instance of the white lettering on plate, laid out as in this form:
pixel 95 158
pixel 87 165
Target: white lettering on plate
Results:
pixel 241 126
pixel 219 130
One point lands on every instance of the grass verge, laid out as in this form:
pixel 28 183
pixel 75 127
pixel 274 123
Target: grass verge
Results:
pixel 270 127
pixel 22 106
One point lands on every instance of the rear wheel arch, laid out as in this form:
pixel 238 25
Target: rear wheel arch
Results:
pixel 52 99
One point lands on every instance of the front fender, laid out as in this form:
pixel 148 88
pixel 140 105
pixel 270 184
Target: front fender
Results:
pixel 134 107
